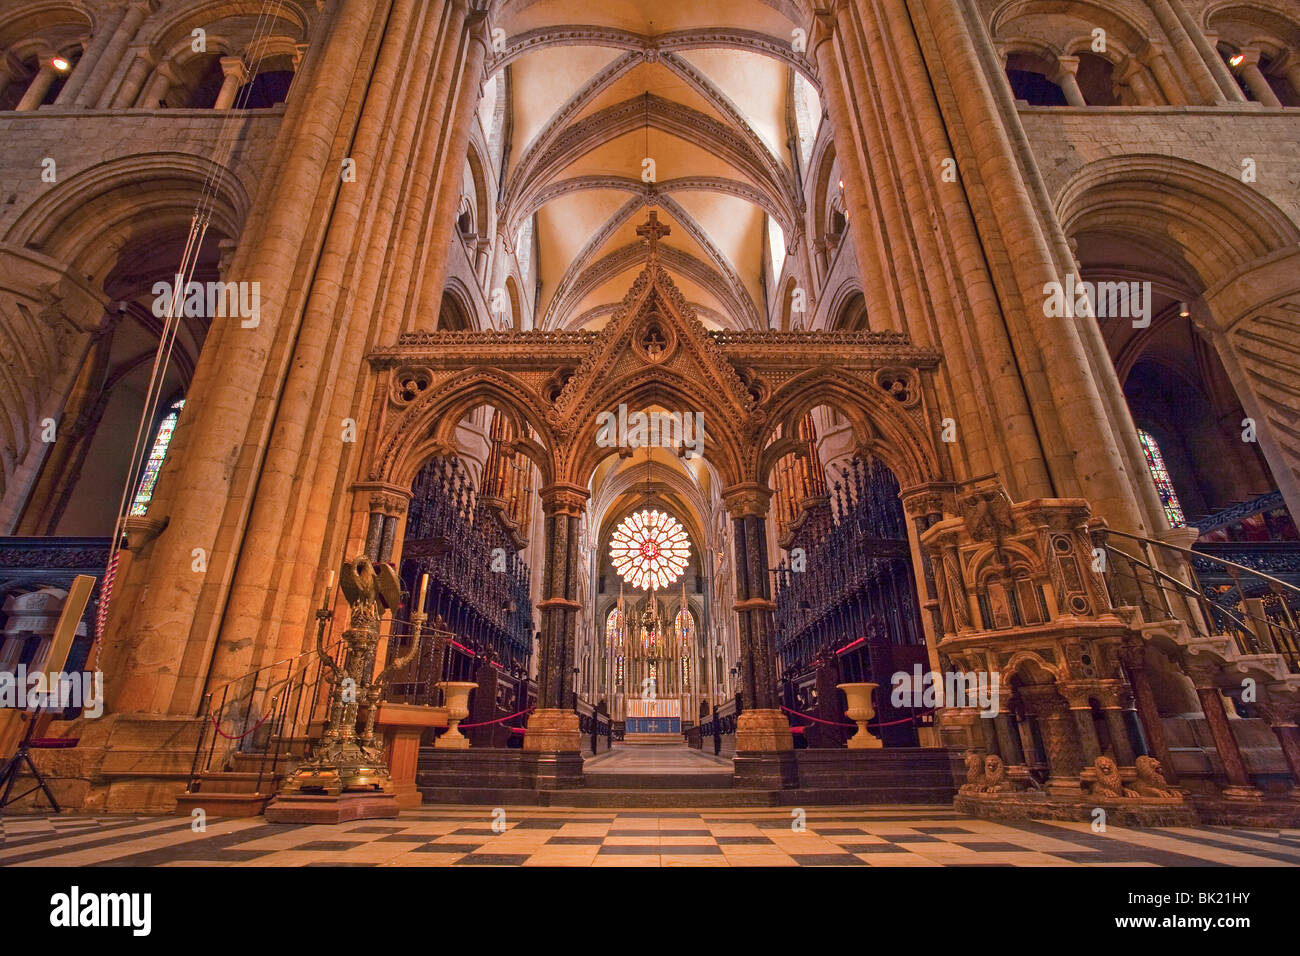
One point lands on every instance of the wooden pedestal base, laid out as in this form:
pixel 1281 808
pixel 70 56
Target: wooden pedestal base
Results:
pixel 403 725
pixel 313 808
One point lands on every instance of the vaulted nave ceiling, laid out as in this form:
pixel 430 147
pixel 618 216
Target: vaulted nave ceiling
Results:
pixel 706 92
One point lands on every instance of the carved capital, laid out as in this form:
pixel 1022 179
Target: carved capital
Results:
pixel 384 498
pixel 562 498
pixel 926 500
pixel 747 499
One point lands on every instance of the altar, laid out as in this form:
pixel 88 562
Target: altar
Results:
pixel 653 717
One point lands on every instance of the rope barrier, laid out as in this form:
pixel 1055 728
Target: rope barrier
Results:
pixel 486 723
pixel 832 723
pixel 829 723
pixel 217 725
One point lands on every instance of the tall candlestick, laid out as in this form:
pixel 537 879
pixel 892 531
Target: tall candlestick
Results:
pixel 424 586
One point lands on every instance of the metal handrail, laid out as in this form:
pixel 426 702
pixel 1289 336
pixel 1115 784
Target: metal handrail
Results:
pixel 1206 557
pixel 1251 639
pixel 1185 588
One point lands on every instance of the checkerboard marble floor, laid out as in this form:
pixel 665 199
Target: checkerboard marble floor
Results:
pixel 532 836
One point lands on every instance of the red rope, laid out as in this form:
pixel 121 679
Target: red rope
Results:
pixel 497 721
pixel 832 723
pixel 829 723
pixel 217 725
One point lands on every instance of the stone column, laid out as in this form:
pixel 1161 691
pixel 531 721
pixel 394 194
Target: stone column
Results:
pixel 1282 712
pixel 1133 656
pixel 39 86
pixel 1190 54
pixel 1067 68
pixel 1156 57
pixel 164 79
pixel 236 77
pixel 1060 738
pixel 1225 742
pixel 1254 77
pixel 1134 76
pixel 1112 708
pixel 78 76
pixel 764 743
pixel 460 120
pixel 1081 714
pixel 1009 743
pixel 287 521
pixel 841 103
pixel 104 61
pixel 136 73
pixel 1207 45
pixel 387 506
pixel 553 731
pixel 1071 415
pixel 1292 71
pixel 159 645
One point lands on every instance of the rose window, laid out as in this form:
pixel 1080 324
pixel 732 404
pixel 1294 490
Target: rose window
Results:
pixel 650 550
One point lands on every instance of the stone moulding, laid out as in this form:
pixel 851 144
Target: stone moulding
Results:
pixel 1033 805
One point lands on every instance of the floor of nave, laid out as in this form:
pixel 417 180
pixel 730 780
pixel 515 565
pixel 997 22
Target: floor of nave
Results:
pixel 532 836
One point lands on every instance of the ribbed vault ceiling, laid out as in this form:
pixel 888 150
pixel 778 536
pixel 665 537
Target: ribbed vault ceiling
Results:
pixel 703 90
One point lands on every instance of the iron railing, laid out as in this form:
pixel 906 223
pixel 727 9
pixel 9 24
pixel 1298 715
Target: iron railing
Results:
pixel 266 714
pixel 1212 594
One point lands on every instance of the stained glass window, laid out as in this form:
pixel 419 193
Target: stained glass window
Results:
pixel 158 454
pixel 1160 475
pixel 614 628
pixel 614 633
pixel 650 550
pixel 685 625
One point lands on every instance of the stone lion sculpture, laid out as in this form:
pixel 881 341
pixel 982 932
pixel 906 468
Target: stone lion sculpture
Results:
pixel 1109 783
pixel 995 775
pixel 974 774
pixel 1151 779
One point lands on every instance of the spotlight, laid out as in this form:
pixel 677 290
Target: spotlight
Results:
pixel 841 184
pixel 60 64
pixel 1237 60
pixel 1183 310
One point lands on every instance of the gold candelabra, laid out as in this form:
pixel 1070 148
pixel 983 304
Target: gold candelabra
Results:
pixel 343 760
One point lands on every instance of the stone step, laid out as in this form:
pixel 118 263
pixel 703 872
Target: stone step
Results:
pixel 255 763
pixel 235 781
pixel 653 740
pixel 597 798
pixel 219 804
pixel 720 780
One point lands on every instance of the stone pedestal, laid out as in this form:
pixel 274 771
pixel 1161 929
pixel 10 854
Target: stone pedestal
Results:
pixel 555 771
pixel 553 740
pixel 765 757
pixel 763 731
pixel 402 726
pixel 123 763
pixel 553 730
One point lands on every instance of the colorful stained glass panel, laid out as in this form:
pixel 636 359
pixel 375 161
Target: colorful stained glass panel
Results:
pixel 650 550
pixel 157 455
pixel 1160 475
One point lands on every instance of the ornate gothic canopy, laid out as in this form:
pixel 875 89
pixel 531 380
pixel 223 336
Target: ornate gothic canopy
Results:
pixel 654 352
